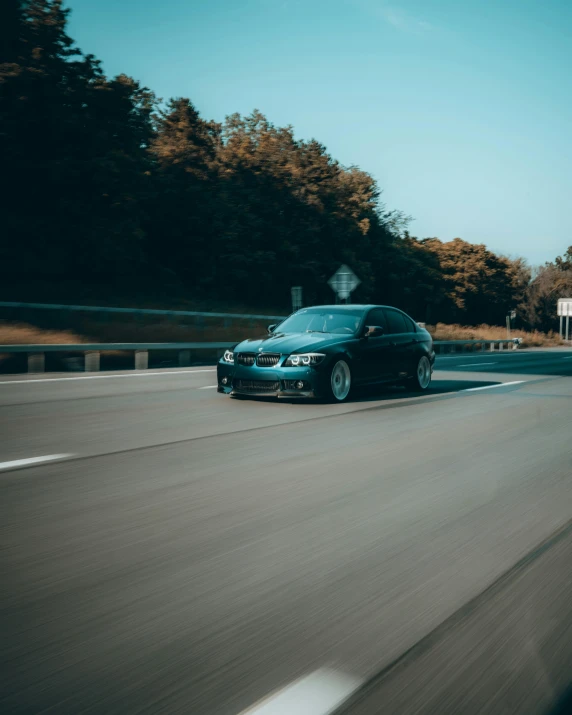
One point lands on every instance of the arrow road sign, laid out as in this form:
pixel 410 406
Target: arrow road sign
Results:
pixel 343 282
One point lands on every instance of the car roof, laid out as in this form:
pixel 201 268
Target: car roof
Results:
pixel 350 306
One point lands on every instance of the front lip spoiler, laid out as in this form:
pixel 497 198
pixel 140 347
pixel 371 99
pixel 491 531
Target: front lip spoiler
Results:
pixel 279 394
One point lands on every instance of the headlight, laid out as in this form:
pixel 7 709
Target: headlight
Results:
pixel 304 359
pixel 228 357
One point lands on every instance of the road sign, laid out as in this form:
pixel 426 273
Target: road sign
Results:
pixel 296 297
pixel 343 282
pixel 565 310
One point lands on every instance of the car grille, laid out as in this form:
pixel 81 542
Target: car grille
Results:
pixel 246 358
pixel 267 359
pixel 257 385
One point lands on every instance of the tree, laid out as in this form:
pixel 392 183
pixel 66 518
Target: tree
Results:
pixel 550 282
pixel 182 229
pixel 107 188
pixel 564 263
pixel 479 285
pixel 292 214
pixel 72 144
pixel 415 282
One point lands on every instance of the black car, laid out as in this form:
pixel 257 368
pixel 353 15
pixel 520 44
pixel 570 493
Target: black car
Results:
pixel 326 350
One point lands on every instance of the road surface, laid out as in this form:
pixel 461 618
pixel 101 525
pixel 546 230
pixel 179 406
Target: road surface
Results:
pixel 175 551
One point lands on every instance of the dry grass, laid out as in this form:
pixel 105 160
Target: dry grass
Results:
pixel 166 331
pixel 531 339
pixel 132 331
pixel 25 334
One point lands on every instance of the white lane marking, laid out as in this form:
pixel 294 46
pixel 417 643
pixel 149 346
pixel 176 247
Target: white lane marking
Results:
pixel 464 356
pixel 489 387
pixel 16 463
pixel 475 364
pixel 568 358
pixel 100 377
pixel 208 387
pixel 319 693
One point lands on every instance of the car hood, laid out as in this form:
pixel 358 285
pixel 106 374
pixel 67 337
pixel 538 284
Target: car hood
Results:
pixel 291 343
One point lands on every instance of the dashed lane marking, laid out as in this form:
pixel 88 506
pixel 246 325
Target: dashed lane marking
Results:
pixel 490 387
pixel 319 693
pixel 18 463
pixel 32 380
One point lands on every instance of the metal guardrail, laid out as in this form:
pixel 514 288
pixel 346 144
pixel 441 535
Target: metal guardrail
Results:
pixel 137 311
pixel 88 347
pixel 444 346
pixel 92 351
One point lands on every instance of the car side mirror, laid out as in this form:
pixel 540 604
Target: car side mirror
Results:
pixel 271 328
pixel 373 331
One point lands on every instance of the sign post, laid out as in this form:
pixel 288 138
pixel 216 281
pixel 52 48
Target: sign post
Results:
pixel 343 282
pixel 511 315
pixel 565 311
pixel 296 298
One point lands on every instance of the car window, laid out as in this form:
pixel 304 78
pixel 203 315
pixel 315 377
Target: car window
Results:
pixel 345 322
pixel 395 322
pixel 377 317
pixel 411 327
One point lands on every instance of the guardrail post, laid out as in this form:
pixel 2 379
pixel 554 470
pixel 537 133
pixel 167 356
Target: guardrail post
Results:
pixel 483 346
pixel 492 347
pixel 184 358
pixel 141 359
pixel 36 362
pixel 501 346
pixel 92 361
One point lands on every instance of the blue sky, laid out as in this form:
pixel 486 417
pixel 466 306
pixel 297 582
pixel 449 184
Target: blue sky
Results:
pixel 461 109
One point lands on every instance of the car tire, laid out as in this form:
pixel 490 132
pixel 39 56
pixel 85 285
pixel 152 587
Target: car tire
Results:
pixel 422 375
pixel 340 381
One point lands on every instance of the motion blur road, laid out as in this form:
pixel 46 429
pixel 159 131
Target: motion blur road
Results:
pixel 183 552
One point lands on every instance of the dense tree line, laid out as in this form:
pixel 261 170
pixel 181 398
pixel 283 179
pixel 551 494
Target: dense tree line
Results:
pixel 107 186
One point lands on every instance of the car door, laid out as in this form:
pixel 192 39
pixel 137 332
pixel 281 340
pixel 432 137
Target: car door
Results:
pixel 412 351
pixel 376 355
pixel 400 342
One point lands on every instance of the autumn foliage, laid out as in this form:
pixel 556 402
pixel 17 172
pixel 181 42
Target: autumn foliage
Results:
pixel 111 193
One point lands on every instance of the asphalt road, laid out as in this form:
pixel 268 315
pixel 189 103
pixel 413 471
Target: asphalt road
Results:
pixel 189 553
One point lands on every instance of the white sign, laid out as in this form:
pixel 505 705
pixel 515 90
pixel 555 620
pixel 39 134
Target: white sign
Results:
pixel 343 282
pixel 564 306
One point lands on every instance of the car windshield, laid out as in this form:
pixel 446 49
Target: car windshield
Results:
pixel 321 321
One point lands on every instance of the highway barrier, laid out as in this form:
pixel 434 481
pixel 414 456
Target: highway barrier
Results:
pixel 136 311
pixel 91 352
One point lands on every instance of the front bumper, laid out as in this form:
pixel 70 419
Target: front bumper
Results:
pixel 254 381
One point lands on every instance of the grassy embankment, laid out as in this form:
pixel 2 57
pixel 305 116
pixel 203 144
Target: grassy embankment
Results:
pixel 120 329
pixel 89 328
pixel 530 339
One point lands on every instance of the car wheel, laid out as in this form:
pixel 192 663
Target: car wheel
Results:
pixel 422 376
pixel 340 381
